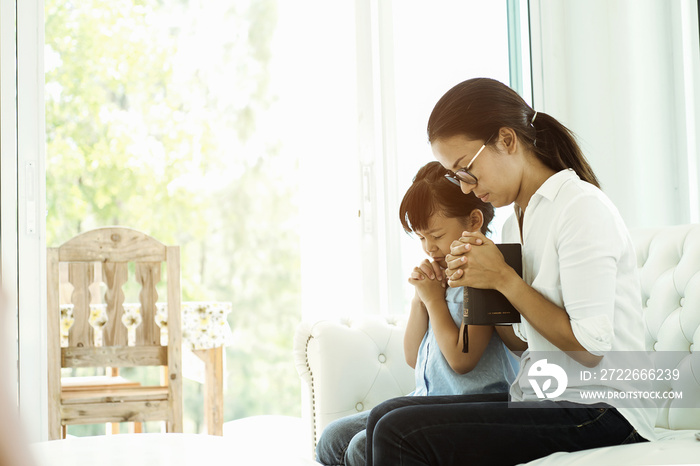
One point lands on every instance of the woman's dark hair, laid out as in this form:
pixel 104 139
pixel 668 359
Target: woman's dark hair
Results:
pixel 479 107
pixel 432 193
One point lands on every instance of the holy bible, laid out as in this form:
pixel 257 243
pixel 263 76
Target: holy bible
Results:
pixel 490 307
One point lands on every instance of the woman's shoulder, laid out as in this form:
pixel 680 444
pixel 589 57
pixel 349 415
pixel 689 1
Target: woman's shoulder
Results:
pixel 578 198
pixel 572 186
pixel 586 214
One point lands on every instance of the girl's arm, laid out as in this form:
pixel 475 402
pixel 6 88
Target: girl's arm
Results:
pixel 416 327
pixel 450 337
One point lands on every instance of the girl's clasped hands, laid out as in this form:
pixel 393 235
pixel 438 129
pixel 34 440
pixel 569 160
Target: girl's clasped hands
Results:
pixel 474 261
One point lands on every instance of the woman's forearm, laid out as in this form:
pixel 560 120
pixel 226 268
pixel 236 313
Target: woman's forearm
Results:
pixel 510 339
pixel 550 320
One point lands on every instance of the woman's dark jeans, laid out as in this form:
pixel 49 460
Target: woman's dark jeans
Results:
pixel 486 429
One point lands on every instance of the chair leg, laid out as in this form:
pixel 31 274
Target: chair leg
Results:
pixel 112 428
pixel 135 428
pixel 213 389
pixel 64 431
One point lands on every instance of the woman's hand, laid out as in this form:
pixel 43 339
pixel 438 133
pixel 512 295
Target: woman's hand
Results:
pixel 475 261
pixel 459 248
pixel 427 289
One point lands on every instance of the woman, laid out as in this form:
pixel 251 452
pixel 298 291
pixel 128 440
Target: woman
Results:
pixel 579 296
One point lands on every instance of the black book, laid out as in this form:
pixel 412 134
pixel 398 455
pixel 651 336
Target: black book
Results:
pixel 490 307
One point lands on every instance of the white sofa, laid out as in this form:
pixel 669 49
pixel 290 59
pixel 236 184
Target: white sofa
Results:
pixel 351 365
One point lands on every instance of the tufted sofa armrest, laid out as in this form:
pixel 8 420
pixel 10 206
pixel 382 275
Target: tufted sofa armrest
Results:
pixel 348 366
pixel 668 259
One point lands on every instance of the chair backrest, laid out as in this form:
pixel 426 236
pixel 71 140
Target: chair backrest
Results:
pixel 668 259
pixel 110 251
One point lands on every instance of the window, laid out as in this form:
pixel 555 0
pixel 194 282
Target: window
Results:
pixel 163 117
pixel 408 55
pixel 455 42
pixel 279 138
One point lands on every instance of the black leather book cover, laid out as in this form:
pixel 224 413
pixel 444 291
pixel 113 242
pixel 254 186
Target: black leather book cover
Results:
pixel 490 307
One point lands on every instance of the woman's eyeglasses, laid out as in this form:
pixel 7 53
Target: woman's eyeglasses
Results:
pixel 463 175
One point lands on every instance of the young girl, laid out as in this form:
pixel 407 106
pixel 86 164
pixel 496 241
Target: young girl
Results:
pixel 435 210
pixel 579 296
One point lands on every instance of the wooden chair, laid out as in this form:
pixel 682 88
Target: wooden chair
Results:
pixel 113 249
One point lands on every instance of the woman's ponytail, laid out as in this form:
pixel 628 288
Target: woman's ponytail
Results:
pixel 555 145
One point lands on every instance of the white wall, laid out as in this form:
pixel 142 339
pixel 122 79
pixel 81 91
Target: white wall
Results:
pixel 23 208
pixel 624 76
pixel 9 318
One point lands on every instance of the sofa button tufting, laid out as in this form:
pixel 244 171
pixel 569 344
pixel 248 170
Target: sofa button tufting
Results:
pixel 359 406
pixel 682 302
pixel 382 358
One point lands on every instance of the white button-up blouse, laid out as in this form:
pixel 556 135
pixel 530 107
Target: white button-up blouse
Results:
pixel 577 253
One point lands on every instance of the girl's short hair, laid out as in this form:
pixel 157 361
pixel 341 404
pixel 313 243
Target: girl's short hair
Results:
pixel 432 193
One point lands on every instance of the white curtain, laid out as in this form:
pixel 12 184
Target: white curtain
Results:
pixel 624 75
